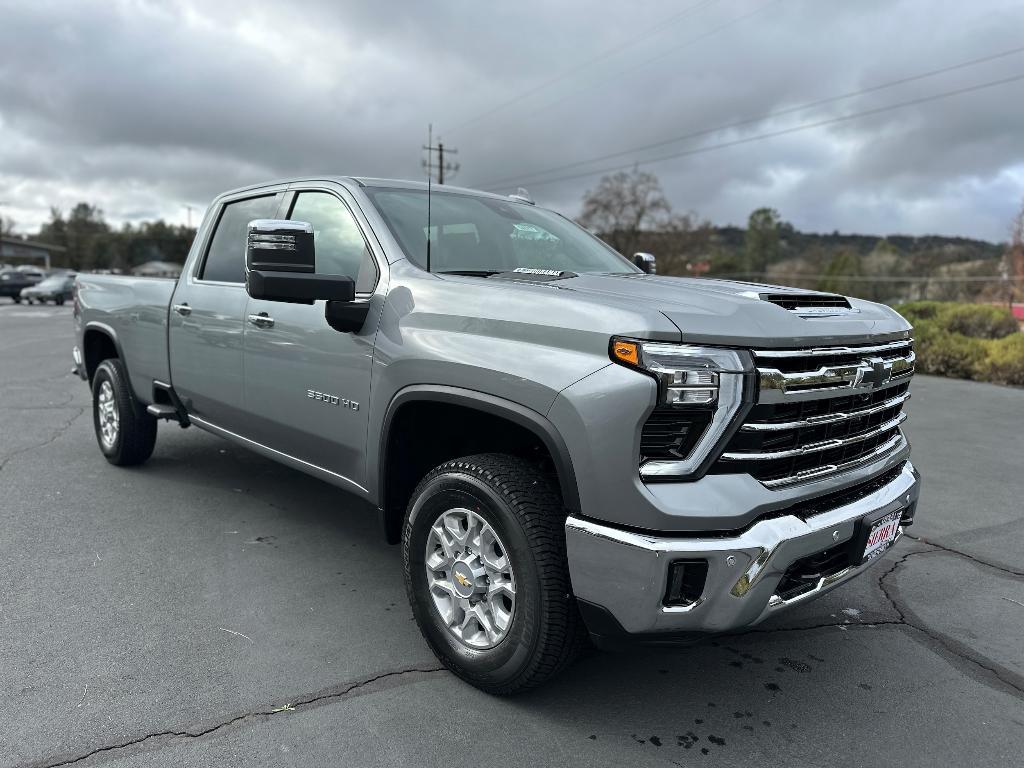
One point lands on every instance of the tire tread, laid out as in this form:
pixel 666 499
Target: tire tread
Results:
pixel 539 509
pixel 137 436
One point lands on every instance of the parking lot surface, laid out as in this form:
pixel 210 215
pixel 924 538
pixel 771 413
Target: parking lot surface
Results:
pixel 215 608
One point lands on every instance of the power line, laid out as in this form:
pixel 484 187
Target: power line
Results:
pixel 781 132
pixel 659 27
pixel 768 115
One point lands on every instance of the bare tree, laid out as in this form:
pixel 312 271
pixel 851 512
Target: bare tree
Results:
pixel 6 226
pixel 1013 259
pixel 622 206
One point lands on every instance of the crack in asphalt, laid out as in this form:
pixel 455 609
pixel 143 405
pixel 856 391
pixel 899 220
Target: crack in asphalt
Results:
pixel 825 625
pixel 59 433
pixel 336 693
pixel 966 555
pixel 907 618
pixel 1009 679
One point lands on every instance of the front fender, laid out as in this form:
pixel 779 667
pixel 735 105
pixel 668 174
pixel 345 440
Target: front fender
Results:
pixel 519 414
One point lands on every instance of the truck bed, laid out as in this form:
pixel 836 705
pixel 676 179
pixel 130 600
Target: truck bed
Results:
pixel 133 310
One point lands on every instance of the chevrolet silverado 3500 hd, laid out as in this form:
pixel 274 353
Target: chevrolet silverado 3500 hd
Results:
pixel 564 445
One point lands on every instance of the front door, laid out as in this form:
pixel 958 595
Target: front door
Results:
pixel 307 386
pixel 207 315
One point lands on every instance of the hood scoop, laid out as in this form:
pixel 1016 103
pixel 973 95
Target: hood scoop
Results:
pixel 811 304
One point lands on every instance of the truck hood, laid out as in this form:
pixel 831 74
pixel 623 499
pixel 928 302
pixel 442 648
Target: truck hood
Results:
pixel 734 313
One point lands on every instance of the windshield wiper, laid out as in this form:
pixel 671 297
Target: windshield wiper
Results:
pixel 470 272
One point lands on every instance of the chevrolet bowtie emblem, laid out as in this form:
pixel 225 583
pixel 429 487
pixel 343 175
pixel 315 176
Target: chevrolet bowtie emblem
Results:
pixel 461 579
pixel 874 371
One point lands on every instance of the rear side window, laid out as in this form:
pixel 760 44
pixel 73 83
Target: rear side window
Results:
pixel 225 260
pixel 340 247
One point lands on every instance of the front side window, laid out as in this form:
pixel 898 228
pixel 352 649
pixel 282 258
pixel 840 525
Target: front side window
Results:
pixel 471 233
pixel 225 259
pixel 340 247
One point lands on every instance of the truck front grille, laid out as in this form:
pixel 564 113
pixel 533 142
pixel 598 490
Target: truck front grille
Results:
pixel 821 412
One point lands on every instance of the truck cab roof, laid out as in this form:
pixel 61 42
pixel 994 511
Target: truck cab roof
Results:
pixel 363 181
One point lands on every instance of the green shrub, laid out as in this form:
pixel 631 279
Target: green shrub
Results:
pixel 946 354
pixel 966 341
pixel 1004 361
pixel 915 311
pixel 979 321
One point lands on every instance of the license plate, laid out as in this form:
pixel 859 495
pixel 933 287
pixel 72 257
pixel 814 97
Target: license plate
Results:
pixel 883 533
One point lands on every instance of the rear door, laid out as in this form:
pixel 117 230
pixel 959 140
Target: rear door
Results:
pixel 306 385
pixel 207 314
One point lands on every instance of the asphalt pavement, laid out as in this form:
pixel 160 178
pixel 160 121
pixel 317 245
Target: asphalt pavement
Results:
pixel 215 608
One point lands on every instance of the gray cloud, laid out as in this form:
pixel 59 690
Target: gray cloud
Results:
pixel 145 107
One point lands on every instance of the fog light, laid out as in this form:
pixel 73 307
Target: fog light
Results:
pixel 686 579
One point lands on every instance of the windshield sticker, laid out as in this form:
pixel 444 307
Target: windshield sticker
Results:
pixel 532 271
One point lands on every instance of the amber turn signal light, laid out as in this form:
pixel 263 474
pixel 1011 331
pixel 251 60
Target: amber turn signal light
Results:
pixel 627 352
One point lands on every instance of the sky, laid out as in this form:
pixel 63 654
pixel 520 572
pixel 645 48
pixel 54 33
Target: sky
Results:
pixel 148 107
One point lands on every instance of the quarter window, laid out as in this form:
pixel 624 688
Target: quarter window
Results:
pixel 225 260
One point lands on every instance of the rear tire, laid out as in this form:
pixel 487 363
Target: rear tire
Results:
pixel 125 432
pixel 17 299
pixel 59 301
pixel 537 630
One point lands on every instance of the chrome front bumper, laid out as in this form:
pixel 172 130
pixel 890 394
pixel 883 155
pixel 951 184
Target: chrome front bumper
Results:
pixel 626 573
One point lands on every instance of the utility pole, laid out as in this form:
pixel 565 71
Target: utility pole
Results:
pixel 443 169
pixel 188 209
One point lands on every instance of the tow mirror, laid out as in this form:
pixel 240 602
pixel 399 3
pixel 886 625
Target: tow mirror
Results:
pixel 280 265
pixel 646 262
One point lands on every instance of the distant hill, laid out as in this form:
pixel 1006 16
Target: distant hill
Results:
pixel 888 268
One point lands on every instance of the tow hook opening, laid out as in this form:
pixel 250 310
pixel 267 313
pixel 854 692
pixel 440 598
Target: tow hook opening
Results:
pixel 686 580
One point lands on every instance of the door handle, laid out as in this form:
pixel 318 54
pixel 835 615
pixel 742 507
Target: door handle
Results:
pixel 182 309
pixel 262 320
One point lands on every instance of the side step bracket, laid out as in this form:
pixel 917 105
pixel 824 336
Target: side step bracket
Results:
pixel 174 411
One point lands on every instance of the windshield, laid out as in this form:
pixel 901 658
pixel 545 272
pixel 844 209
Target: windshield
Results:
pixel 481 234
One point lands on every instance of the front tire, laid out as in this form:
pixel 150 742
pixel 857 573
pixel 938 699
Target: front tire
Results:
pixel 125 432
pixel 483 547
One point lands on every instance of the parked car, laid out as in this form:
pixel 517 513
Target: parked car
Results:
pixel 13 281
pixel 57 288
pixel 563 444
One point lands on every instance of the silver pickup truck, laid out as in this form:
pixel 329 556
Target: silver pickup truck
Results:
pixel 566 446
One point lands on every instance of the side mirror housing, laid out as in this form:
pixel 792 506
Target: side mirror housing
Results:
pixel 280 265
pixel 646 262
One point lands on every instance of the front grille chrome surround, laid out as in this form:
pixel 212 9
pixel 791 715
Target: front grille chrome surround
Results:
pixel 821 412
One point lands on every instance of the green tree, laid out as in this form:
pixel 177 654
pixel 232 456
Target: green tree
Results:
pixel 763 239
pixel 845 264
pixel 80 233
pixel 91 243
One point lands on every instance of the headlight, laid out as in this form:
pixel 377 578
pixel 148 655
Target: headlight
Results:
pixel 700 391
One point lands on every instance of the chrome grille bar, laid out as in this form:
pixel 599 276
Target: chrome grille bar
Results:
pixel 828 418
pixel 824 445
pixel 818 473
pixel 877 349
